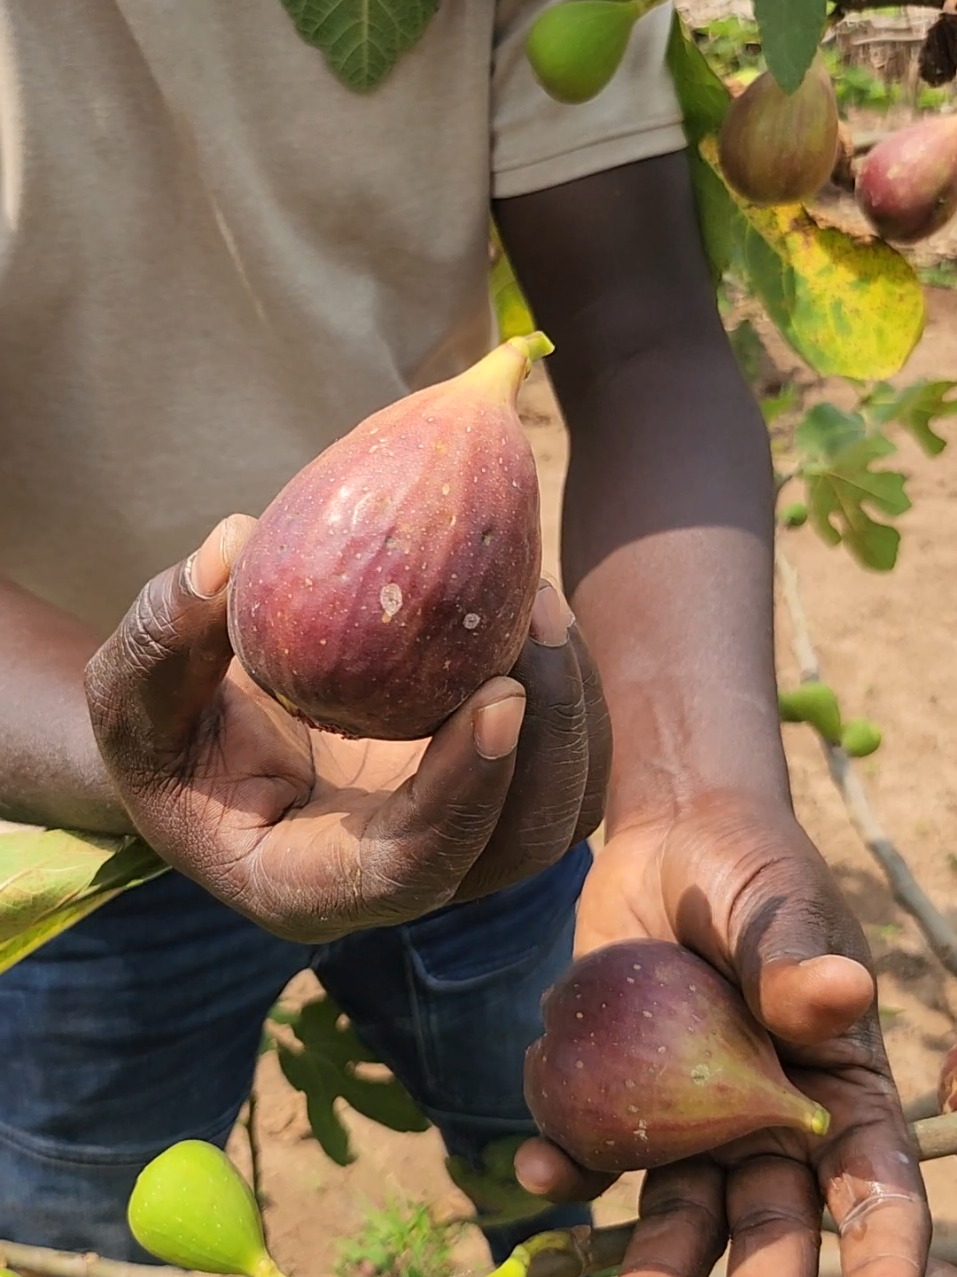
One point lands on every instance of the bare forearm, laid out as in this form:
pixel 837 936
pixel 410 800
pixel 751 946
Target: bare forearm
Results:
pixel 668 516
pixel 51 772
pixel 667 555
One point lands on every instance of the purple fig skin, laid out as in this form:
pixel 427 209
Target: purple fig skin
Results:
pixel 780 149
pixel 650 1056
pixel 906 186
pixel 396 573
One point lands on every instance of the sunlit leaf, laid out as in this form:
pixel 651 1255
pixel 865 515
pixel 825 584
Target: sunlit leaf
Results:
pixel 51 878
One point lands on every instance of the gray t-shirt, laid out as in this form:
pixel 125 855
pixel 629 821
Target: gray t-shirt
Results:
pixel 215 258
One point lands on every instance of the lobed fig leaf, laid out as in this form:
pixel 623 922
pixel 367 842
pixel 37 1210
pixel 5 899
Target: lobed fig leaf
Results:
pixel 914 407
pixel 860 737
pixel 947 1081
pixel 813 703
pixel 776 148
pixel 396 573
pixel 576 47
pixel 191 1207
pixel 907 184
pixel 650 1056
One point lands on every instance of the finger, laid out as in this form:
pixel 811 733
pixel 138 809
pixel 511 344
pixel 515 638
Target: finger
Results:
pixel 149 682
pixel 682 1228
pixel 538 820
pixel 420 844
pixel 545 1170
pixel 774 1217
pixel 598 722
pixel 774 918
pixel 874 1189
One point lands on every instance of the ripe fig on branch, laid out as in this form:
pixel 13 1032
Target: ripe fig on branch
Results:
pixel 191 1207
pixel 396 573
pixel 650 1056
pixel 907 184
pixel 777 148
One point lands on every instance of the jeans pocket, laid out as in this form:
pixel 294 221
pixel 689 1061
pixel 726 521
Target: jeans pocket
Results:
pixel 479 972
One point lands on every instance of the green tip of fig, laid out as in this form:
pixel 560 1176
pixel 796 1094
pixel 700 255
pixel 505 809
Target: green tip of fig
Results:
pixel 780 148
pixel 190 1207
pixel 649 1056
pixel 860 737
pixel 576 47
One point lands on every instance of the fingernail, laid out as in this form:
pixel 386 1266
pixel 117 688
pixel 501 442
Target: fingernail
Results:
pixel 206 569
pixel 495 727
pixel 551 616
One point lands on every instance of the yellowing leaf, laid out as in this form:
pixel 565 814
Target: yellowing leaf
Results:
pixel 850 307
pixel 51 878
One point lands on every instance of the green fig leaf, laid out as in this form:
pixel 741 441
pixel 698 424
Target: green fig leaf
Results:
pixel 914 408
pixel 362 39
pixel 841 482
pixel 791 31
pixel 850 307
pixel 324 1070
pixel 704 101
pixel 51 878
pixel 497 1195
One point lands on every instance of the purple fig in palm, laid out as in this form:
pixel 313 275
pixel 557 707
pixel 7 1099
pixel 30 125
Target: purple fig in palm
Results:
pixel 650 1056
pixel 778 148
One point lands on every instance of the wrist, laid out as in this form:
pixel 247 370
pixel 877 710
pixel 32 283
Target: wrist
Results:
pixel 646 824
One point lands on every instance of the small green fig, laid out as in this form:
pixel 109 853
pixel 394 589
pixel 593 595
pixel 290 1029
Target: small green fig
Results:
pixel 813 703
pixel 778 148
pixel 191 1207
pixel 576 47
pixel 860 737
pixel 793 515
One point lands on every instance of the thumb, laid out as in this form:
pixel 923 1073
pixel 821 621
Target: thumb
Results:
pixel 161 667
pixel 799 953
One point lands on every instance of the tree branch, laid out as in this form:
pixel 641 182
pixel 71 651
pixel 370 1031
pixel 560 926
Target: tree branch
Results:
pixel 907 892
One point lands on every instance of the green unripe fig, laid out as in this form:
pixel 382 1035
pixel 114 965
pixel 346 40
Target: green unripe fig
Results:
pixel 860 737
pixel 191 1207
pixel 576 47
pixel 779 148
pixel 793 515
pixel 813 703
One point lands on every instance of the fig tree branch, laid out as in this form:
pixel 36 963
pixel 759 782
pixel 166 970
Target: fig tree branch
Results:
pixel 905 889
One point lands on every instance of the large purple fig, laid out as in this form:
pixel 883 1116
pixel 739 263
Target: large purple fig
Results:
pixel 777 148
pixel 650 1056
pixel 907 184
pixel 396 573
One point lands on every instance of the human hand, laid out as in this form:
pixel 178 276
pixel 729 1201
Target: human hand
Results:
pixel 744 887
pixel 313 836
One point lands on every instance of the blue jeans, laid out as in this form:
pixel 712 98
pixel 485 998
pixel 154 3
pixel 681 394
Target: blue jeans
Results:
pixel 140 1027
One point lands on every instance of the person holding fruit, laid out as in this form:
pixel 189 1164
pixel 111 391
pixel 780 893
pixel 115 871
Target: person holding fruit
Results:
pixel 217 258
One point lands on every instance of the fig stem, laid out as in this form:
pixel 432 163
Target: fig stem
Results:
pixel 534 346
